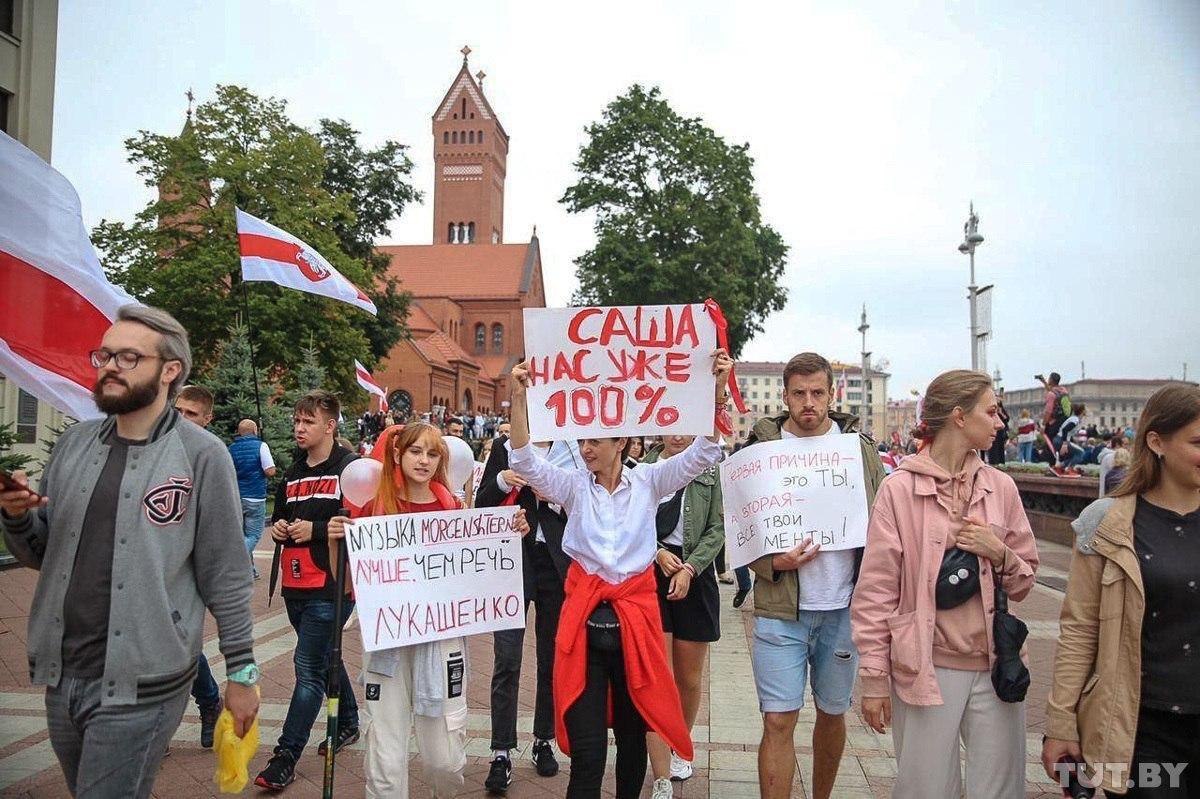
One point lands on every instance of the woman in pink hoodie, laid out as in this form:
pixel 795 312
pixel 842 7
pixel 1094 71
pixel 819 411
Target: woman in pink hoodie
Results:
pixel 929 669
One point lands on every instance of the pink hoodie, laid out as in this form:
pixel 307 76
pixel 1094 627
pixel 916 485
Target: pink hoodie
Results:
pixel 895 623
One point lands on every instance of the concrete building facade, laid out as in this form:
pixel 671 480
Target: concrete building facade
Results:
pixel 28 47
pixel 761 384
pixel 1112 404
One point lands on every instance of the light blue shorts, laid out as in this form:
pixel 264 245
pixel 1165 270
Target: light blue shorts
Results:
pixel 785 651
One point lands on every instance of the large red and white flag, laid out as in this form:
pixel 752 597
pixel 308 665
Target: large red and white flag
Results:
pixel 369 385
pixel 55 302
pixel 273 255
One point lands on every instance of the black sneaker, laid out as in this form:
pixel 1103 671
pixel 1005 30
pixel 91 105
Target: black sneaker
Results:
pixel 208 723
pixel 499 776
pixel 345 737
pixel 279 773
pixel 543 758
pixel 740 597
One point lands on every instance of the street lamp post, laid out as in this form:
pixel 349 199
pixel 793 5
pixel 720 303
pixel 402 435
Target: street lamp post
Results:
pixel 865 408
pixel 971 240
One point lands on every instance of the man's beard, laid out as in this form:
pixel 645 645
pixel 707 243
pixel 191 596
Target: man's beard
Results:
pixel 136 397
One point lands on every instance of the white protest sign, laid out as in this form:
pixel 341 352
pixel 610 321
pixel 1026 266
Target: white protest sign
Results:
pixel 620 371
pixel 422 577
pixel 778 493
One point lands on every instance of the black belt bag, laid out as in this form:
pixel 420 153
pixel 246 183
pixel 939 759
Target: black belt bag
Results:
pixel 957 580
pixel 604 629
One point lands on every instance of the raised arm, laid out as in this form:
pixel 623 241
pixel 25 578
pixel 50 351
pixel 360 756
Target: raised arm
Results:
pixel 552 482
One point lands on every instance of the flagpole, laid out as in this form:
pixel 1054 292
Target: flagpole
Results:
pixel 253 371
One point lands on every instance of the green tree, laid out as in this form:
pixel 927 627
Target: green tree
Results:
pixel 232 384
pixel 676 217
pixel 11 461
pixel 180 252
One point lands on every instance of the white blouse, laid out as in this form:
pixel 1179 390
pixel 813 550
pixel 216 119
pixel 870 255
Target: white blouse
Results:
pixel 613 535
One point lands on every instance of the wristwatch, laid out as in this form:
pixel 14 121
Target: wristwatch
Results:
pixel 246 675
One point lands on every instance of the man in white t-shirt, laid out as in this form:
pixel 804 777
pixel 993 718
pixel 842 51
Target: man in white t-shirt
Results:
pixel 802 604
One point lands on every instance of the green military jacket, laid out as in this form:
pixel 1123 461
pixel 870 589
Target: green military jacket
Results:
pixel 703 516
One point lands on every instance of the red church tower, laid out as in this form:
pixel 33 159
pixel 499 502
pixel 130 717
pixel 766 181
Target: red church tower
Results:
pixel 470 151
pixel 469 288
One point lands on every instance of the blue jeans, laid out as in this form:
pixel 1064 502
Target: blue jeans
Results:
pixel 1026 451
pixel 254 520
pixel 204 687
pixel 313 621
pixel 786 653
pixel 743 578
pixel 1076 455
pixel 112 750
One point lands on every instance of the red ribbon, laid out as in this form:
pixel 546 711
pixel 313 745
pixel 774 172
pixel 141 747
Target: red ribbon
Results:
pixel 714 311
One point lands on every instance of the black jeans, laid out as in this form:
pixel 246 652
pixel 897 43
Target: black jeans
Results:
pixel 587 723
pixel 547 598
pixel 1166 738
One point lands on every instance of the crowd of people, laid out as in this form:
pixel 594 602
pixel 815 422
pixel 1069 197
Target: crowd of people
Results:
pixel 143 521
pixel 1060 438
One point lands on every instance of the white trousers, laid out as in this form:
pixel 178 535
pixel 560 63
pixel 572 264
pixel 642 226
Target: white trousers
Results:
pixel 927 742
pixel 388 720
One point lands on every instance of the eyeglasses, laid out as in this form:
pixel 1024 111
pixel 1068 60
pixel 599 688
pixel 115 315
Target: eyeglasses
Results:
pixel 126 359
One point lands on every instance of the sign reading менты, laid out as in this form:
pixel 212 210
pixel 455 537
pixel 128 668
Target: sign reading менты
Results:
pixel 620 371
pixel 778 493
pixel 426 576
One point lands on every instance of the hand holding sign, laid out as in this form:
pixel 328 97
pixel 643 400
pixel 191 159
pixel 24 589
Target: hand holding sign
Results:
pixel 793 499
pixel 795 557
pixel 619 371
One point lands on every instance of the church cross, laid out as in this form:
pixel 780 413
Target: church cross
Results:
pixel 466 51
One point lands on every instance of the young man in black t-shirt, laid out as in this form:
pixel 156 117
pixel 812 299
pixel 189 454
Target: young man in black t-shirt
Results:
pixel 308 497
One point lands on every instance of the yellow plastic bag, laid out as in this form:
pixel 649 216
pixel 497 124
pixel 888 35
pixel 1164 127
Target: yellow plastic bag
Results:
pixel 233 753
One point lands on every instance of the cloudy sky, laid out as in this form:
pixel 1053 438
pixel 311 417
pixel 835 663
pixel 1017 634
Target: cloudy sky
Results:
pixel 1075 128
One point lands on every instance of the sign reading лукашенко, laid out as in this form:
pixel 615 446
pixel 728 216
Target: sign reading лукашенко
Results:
pixel 427 576
pixel 620 371
pixel 777 493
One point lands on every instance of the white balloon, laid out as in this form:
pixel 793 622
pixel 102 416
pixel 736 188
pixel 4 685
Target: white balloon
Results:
pixel 360 480
pixel 462 461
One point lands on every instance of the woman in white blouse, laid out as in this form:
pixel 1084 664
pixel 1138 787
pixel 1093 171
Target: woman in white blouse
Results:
pixel 610 633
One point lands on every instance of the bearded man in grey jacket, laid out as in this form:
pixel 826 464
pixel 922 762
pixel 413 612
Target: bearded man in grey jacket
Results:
pixel 136 529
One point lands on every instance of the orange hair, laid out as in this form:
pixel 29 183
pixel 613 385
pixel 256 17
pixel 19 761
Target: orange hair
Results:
pixel 392 495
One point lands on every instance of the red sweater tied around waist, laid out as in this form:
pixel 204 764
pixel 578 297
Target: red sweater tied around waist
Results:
pixel 647 673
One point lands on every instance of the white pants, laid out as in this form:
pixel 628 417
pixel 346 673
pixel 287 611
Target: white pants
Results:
pixel 927 742
pixel 388 719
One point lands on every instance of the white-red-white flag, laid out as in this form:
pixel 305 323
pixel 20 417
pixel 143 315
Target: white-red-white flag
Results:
pixel 272 255
pixel 368 384
pixel 55 302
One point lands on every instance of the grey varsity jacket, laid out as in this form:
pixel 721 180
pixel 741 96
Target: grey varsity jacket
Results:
pixel 178 549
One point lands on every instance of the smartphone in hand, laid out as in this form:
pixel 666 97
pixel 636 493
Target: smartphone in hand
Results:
pixel 8 483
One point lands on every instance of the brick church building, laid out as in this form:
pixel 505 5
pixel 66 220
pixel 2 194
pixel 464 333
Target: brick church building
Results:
pixel 468 287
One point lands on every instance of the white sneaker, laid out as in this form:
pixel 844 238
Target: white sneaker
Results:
pixel 662 789
pixel 680 768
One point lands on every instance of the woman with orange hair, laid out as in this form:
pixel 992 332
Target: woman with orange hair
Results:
pixel 422 686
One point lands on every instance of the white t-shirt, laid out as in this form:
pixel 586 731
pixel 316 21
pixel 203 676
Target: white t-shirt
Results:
pixel 267 462
pixel 826 581
pixel 676 536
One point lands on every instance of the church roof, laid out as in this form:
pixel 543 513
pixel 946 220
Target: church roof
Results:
pixel 419 321
pixel 464 271
pixel 440 349
pixel 464 81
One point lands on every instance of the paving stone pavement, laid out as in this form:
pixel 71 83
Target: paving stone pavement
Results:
pixel 727 731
